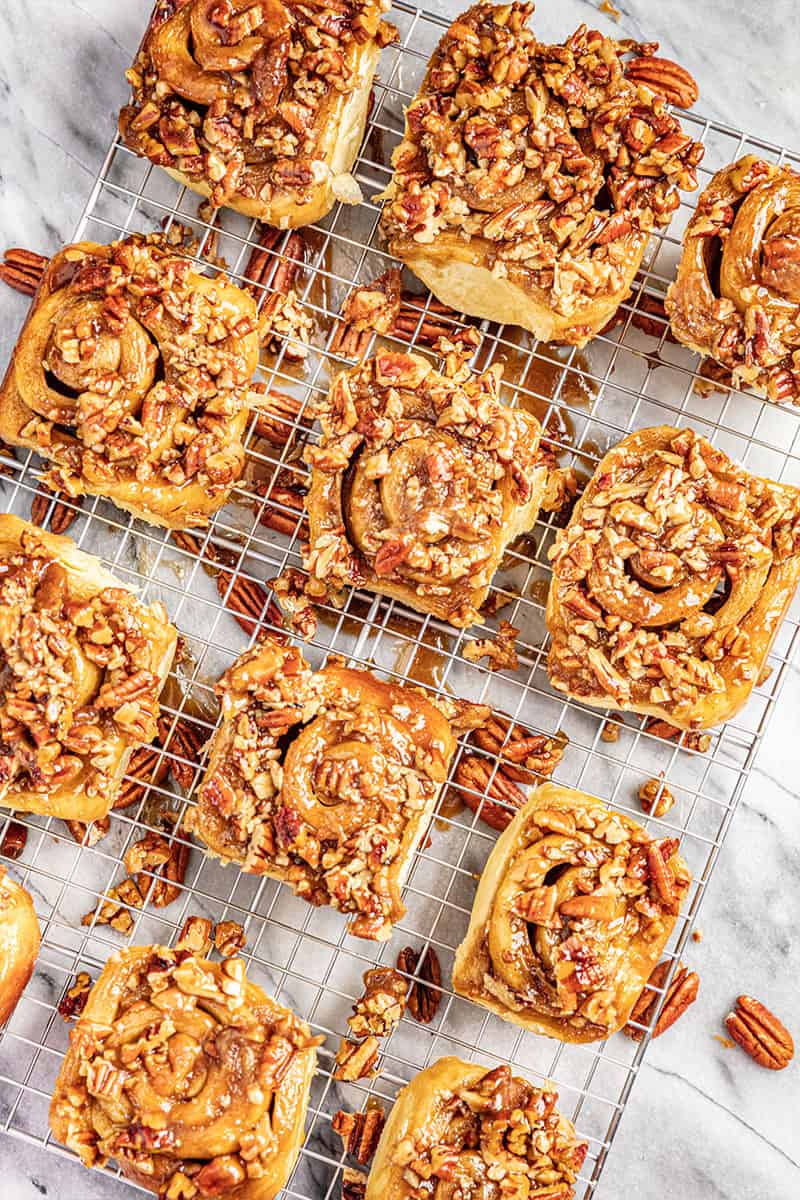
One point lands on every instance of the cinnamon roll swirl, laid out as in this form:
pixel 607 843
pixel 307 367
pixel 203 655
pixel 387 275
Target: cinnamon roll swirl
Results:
pixel 463 1131
pixel 188 1075
pixel 325 780
pixel 737 293
pixel 572 912
pixel 82 663
pixel 531 176
pixel 259 104
pixel 132 377
pixel 418 484
pixel 671 580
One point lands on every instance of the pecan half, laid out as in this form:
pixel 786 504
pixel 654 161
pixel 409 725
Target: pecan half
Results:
pixel 356 1060
pixel 425 995
pixel 760 1034
pixel 526 756
pixel 682 993
pixel 147 768
pixel 666 78
pixel 73 1002
pixel 480 784
pixel 184 740
pixel 278 415
pixel 61 515
pixel 23 269
pixel 277 494
pixel 360 1132
pixel 14 840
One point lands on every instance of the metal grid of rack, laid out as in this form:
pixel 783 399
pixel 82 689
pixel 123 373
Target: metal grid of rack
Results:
pixel 631 376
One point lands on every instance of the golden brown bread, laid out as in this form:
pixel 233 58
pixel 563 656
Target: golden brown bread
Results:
pixel 335 759
pixel 736 297
pixel 84 663
pixel 572 912
pixel 418 484
pixel 132 375
pixel 671 580
pixel 491 1131
pixel 188 1075
pixel 261 107
pixel 19 942
pixel 530 176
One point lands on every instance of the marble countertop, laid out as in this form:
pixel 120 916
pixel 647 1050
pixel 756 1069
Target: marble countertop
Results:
pixel 703 1123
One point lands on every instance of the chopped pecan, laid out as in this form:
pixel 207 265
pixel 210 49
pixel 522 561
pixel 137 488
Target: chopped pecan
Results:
pixel 655 797
pixel 229 938
pixel 195 936
pixel 760 1034
pixel 692 741
pixel 360 1132
pixel 682 993
pixel 147 854
pixel 480 784
pixel 425 995
pixel 115 909
pixel 61 515
pixel 379 1009
pixel 500 650
pixel 356 1060
pixel 285 324
pixel 73 1002
pixel 23 270
pixel 610 731
pixel 14 840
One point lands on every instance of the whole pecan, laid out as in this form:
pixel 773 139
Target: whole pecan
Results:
pixel 23 270
pixel 665 77
pixel 760 1034
pixel 682 993
pixel 425 995
pixel 278 414
pixel 88 835
pixel 14 840
pixel 147 768
pixel 61 515
pixel 360 1132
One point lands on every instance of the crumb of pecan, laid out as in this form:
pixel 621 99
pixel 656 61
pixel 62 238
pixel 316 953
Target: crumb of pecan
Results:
pixel 73 1002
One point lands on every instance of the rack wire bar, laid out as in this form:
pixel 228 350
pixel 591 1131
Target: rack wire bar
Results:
pixel 629 377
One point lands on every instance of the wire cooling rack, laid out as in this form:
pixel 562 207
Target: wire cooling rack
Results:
pixel 631 377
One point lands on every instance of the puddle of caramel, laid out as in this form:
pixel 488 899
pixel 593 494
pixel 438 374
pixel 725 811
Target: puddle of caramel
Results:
pixel 537 591
pixel 450 806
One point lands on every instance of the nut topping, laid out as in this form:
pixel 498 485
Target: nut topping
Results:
pixel 681 994
pixel 760 1034
pixel 665 77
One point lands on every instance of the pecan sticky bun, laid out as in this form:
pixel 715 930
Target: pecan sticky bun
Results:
pixel 671 580
pixel 531 176
pixel 82 663
pixel 572 912
pixel 418 484
pixel 188 1075
pixel 459 1130
pixel 325 780
pixel 19 942
pixel 258 104
pixel 737 294
pixel 131 375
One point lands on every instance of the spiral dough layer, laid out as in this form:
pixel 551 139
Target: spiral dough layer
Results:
pixel 737 294
pixel 325 780
pixel 572 912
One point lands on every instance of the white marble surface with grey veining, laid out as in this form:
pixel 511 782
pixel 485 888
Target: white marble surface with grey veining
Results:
pixel 703 1122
